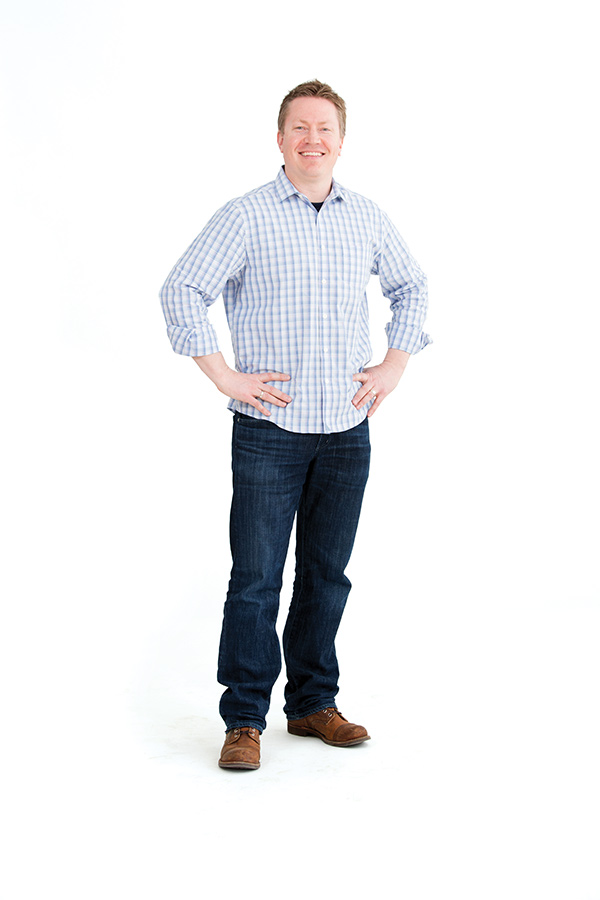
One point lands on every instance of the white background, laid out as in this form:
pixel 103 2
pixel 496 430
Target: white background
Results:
pixel 470 643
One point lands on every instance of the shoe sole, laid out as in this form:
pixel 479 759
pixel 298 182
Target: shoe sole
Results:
pixel 307 732
pixel 240 765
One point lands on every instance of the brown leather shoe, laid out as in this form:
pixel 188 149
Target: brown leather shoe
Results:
pixel 329 725
pixel 241 749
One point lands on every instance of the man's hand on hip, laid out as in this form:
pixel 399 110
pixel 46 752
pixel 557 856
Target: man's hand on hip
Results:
pixel 379 381
pixel 248 387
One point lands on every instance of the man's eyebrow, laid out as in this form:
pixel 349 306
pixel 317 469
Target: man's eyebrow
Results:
pixel 305 122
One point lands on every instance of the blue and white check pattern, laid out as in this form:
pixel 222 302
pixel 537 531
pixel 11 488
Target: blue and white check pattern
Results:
pixel 294 286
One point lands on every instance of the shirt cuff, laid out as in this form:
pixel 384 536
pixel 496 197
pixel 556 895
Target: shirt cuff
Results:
pixel 193 342
pixel 409 340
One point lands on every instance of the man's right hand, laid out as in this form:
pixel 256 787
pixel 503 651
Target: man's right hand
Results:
pixel 248 387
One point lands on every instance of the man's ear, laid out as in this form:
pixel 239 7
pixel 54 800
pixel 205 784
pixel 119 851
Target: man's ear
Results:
pixel 280 140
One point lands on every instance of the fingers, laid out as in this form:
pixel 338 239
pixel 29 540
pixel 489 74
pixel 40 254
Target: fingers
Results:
pixel 280 398
pixel 375 406
pixel 273 394
pixel 363 391
pixel 260 392
pixel 368 393
pixel 269 394
pixel 275 398
pixel 257 405
pixel 272 376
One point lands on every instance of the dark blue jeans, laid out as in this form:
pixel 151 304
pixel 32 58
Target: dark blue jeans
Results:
pixel 278 475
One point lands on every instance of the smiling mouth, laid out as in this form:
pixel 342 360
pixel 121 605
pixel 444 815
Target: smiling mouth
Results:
pixel 310 153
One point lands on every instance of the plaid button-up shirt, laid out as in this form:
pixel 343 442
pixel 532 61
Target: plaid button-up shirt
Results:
pixel 294 287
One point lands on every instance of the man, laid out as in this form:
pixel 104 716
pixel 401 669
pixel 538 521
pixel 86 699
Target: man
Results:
pixel 292 260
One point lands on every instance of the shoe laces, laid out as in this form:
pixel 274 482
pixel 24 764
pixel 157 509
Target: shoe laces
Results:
pixel 247 729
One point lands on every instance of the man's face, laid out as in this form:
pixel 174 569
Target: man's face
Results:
pixel 311 141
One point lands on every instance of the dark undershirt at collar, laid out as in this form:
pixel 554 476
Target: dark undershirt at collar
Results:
pixel 318 206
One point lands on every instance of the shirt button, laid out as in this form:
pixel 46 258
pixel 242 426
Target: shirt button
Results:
pixel 324 281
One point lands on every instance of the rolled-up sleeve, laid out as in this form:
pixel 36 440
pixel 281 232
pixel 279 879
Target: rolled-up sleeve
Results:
pixel 198 278
pixel 405 286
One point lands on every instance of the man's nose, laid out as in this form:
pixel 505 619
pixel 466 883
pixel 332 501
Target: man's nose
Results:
pixel 313 136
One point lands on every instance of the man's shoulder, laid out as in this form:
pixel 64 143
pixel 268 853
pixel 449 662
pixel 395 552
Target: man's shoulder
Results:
pixel 236 212
pixel 359 199
pixel 264 191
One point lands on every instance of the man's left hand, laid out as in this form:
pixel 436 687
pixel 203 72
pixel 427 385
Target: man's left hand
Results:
pixel 379 381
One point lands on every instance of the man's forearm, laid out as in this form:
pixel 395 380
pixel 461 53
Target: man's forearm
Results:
pixel 397 359
pixel 213 365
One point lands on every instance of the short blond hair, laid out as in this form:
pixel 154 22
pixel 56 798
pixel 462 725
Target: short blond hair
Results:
pixel 313 89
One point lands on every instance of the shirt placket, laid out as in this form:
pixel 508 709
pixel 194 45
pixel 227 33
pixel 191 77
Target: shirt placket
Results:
pixel 325 287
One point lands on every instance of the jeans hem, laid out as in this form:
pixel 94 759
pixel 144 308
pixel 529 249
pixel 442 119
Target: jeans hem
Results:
pixel 244 724
pixel 311 711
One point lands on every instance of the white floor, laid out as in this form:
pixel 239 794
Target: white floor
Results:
pixel 480 781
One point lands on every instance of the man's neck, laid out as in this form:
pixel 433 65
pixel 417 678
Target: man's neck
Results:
pixel 316 191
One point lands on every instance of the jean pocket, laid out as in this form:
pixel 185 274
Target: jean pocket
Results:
pixel 250 421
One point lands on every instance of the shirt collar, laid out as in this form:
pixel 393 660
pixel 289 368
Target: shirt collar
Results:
pixel 284 188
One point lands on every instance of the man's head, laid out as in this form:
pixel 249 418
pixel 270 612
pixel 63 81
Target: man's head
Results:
pixel 313 89
pixel 312 121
